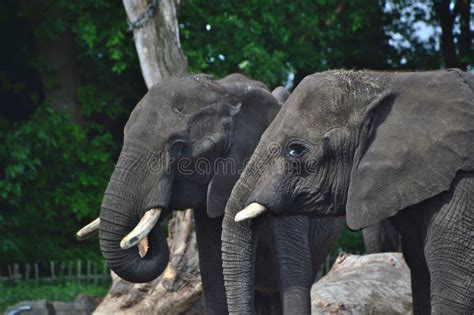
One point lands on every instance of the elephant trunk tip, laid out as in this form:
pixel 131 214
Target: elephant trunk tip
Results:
pixel 142 262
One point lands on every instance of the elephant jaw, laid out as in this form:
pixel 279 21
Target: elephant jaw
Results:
pixel 252 211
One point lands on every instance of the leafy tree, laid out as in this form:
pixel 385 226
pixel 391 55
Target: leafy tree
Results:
pixel 269 40
pixel 54 171
pixel 52 180
pixel 445 26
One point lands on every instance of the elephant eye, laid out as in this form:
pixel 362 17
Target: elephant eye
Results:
pixel 296 150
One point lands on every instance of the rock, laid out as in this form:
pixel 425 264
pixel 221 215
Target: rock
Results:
pixel 39 307
pixel 83 305
pixel 369 284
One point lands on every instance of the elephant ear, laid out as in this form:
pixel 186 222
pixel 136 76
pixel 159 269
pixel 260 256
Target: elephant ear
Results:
pixel 251 117
pixel 419 139
pixel 281 94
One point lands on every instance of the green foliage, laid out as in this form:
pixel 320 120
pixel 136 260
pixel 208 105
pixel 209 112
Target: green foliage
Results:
pixel 350 242
pixel 412 53
pixel 53 179
pixel 98 107
pixel 53 172
pixel 99 26
pixel 67 291
pixel 269 39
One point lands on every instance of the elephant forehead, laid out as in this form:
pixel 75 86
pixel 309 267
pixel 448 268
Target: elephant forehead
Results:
pixel 315 110
pixel 334 98
pixel 153 121
pixel 171 106
pixel 184 96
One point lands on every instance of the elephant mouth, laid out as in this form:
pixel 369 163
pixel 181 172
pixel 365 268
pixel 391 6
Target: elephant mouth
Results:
pixel 255 209
pixel 143 247
pixel 137 237
pixel 141 230
pixel 252 211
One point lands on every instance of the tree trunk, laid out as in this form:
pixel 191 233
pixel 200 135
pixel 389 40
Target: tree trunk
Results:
pixel 60 74
pixel 156 35
pixel 57 64
pixel 465 38
pixel 177 291
pixel 446 20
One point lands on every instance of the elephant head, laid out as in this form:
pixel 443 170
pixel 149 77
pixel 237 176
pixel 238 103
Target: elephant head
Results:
pixel 172 143
pixel 364 144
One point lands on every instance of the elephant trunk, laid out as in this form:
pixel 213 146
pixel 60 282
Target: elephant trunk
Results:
pixel 119 214
pixel 238 261
pixel 239 242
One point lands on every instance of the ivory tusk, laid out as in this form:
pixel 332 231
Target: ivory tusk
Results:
pixel 253 210
pixel 88 230
pixel 142 229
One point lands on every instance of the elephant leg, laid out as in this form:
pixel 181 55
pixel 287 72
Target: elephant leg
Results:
pixel 267 303
pixel 208 235
pixel 420 277
pixel 381 238
pixel 412 248
pixel 291 237
pixel 449 248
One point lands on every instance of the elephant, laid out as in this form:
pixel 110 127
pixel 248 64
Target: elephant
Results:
pixel 371 146
pixel 381 237
pixel 178 143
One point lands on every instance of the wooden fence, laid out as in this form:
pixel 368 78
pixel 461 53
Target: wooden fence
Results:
pixel 78 270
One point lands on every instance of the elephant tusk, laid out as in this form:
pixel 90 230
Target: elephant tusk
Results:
pixel 88 230
pixel 142 229
pixel 253 210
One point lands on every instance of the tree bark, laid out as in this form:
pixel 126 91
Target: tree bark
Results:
pixel 60 75
pixel 465 38
pixel 58 67
pixel 156 35
pixel 446 20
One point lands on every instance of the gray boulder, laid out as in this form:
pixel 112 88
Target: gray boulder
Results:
pixel 83 305
pixel 369 284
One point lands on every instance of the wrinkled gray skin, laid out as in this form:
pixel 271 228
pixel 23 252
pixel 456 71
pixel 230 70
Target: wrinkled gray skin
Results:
pixel 373 146
pixel 198 119
pixel 381 237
